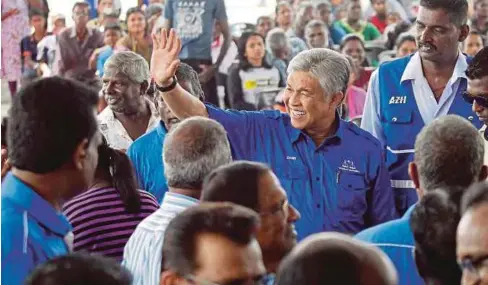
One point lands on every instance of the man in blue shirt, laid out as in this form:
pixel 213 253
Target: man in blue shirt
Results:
pixel 408 93
pixel 334 172
pixel 146 152
pixel 194 22
pixel 448 154
pixel 53 144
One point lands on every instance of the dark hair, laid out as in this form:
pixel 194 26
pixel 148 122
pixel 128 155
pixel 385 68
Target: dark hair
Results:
pixel 4 131
pixel 36 12
pixel 434 223
pixel 133 10
pixel 261 18
pixel 403 39
pixel 350 38
pixel 475 196
pixel 114 27
pixel 392 36
pixel 241 49
pixel 456 9
pixel 116 166
pixel 48 119
pixel 478 67
pixel 229 182
pixel 80 4
pixel 185 72
pixel 234 222
pixel 80 269
pixel 320 264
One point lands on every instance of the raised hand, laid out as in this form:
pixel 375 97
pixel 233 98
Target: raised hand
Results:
pixel 164 59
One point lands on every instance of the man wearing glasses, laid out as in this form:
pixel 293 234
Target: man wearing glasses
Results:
pixel 477 92
pixel 472 235
pixel 75 47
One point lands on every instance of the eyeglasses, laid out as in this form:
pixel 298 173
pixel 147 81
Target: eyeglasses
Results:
pixel 80 14
pixel 481 100
pixel 284 208
pixel 260 280
pixel 473 266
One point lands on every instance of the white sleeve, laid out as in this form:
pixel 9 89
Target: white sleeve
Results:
pixel 371 120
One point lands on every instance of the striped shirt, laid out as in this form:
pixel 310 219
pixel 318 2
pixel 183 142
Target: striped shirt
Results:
pixel 143 252
pixel 101 223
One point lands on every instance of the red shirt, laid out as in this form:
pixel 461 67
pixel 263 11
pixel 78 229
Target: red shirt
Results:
pixel 378 23
pixel 364 76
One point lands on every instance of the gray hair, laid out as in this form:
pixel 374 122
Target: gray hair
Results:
pixel 448 152
pixel 184 72
pixel 128 63
pixel 192 149
pixel 317 24
pixel 276 40
pixel 329 67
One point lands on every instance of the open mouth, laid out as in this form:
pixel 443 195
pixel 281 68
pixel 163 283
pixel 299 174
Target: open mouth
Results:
pixel 297 114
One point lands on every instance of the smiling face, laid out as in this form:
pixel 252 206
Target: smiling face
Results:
pixel 277 234
pixel 122 94
pixel 437 36
pixel 306 102
pixel 136 23
pixel 355 49
pixel 479 87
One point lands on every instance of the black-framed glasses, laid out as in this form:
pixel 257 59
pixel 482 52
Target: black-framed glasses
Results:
pixel 260 280
pixel 481 100
pixel 474 266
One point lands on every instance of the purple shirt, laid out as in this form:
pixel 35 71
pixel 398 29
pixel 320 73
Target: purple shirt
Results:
pixel 101 223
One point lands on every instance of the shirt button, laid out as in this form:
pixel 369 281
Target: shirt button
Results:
pixel 470 118
pixel 394 119
pixel 318 205
pixel 317 178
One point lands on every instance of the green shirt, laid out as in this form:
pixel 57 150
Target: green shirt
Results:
pixel 367 31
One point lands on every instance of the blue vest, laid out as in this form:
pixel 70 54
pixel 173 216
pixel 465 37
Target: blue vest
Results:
pixel 401 121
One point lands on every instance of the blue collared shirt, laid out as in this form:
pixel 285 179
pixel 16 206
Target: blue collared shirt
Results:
pixel 146 154
pixel 342 185
pixel 32 231
pixel 395 238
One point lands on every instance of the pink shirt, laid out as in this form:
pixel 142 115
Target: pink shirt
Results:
pixel 355 97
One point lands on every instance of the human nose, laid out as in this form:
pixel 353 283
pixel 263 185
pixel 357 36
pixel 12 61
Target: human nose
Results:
pixel 293 214
pixel 476 107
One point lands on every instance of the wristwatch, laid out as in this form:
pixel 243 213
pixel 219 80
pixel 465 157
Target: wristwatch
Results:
pixel 169 87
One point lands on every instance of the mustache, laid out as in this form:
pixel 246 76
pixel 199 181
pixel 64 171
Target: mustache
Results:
pixel 427 45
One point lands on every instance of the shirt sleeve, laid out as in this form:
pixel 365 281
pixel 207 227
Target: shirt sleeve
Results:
pixel 371 117
pixel 381 206
pixel 236 94
pixel 136 256
pixel 220 12
pixel 58 66
pixel 168 10
pixel 132 154
pixel 243 128
pixel 373 32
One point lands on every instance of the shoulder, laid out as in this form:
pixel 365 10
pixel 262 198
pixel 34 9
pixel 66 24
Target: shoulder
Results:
pixel 144 140
pixel 366 138
pixel 105 115
pixel 396 64
pixel 385 233
pixel 148 197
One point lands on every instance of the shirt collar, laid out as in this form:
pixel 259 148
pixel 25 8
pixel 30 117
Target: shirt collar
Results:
pixel 161 129
pixel 38 208
pixel 408 213
pixel 73 32
pixel 171 195
pixel 415 64
pixel 296 133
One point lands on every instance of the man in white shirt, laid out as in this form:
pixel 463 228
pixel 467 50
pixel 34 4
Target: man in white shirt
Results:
pixel 129 114
pixel 477 93
pixel 192 149
pixel 408 93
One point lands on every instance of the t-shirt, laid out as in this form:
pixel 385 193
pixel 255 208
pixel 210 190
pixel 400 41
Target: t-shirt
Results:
pixel 102 58
pixel 193 21
pixel 101 223
pixel 367 31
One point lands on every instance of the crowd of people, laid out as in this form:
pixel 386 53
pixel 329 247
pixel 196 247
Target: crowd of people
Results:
pixel 328 143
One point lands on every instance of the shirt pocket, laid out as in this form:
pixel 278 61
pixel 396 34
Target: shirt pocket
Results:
pixel 352 190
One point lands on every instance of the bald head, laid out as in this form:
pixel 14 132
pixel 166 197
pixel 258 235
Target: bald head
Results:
pixel 192 149
pixel 333 258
